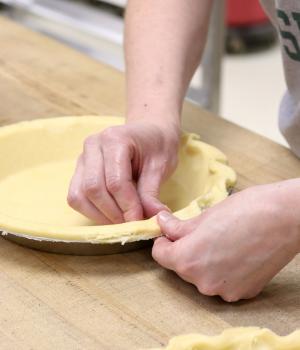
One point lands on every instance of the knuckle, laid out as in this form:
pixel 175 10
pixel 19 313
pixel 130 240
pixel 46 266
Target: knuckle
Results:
pixel 230 297
pixel 90 140
pixel 149 193
pixel 115 136
pixel 114 184
pixel 146 198
pixel 167 165
pixel 109 133
pixel 91 187
pixel 134 209
pixel 183 269
pixel 207 289
pixel 74 199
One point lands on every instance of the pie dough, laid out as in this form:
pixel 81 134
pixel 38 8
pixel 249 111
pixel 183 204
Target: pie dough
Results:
pixel 251 338
pixel 38 159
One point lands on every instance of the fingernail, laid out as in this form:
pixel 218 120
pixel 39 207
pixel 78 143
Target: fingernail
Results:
pixel 164 216
pixel 167 209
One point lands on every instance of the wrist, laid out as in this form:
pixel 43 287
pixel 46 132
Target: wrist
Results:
pixel 159 117
pixel 167 121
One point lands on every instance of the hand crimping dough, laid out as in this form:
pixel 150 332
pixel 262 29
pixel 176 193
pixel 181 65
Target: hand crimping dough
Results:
pixel 37 161
pixel 251 338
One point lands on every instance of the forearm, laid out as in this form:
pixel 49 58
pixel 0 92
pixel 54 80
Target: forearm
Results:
pixel 164 41
pixel 288 198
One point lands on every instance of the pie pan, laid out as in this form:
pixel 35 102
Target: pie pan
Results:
pixel 37 161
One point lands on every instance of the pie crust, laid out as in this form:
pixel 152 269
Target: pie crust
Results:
pixel 38 158
pixel 249 338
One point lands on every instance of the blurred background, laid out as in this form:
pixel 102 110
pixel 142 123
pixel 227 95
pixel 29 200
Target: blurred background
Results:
pixel 240 77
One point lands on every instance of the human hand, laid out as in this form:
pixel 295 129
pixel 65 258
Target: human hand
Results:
pixel 236 247
pixel 120 171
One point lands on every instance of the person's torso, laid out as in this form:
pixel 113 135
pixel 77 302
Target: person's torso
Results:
pixel 285 15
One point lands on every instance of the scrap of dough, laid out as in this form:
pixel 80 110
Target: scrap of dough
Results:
pixel 37 161
pixel 251 338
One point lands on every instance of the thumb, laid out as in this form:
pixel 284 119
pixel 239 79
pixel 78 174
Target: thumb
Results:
pixel 148 189
pixel 174 228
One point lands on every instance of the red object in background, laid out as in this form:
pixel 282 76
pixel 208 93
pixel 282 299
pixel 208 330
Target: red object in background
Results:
pixel 244 13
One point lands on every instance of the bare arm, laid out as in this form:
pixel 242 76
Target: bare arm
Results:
pixel 164 41
pixel 121 169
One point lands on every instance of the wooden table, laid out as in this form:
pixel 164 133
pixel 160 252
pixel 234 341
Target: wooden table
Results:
pixel 124 301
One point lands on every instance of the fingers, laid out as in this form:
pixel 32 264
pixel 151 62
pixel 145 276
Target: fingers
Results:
pixel 94 185
pixel 174 228
pixel 78 201
pixel 103 182
pixel 148 189
pixel 163 252
pixel 119 180
pixel 111 159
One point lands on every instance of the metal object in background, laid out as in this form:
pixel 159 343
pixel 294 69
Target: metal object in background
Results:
pixel 207 93
pixel 95 28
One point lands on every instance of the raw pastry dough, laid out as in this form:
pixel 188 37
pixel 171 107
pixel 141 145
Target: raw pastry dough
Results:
pixel 251 338
pixel 38 158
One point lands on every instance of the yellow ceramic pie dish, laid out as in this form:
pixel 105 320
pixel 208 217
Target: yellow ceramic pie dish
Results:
pixel 37 161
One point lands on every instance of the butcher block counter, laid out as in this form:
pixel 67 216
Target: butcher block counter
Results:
pixel 125 301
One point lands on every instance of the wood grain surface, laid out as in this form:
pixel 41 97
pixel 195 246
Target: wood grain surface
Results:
pixel 126 301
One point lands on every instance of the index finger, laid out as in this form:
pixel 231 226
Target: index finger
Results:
pixel 94 182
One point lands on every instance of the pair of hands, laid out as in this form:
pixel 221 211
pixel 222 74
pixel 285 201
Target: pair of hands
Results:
pixel 232 250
